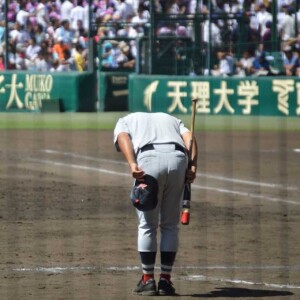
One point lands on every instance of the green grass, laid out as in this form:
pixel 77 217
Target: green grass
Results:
pixel 67 121
pixel 107 121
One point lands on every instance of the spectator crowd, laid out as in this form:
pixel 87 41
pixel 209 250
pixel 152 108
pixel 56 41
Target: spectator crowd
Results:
pixel 53 35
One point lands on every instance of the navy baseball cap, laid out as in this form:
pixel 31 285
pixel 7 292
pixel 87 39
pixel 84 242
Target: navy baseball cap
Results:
pixel 144 193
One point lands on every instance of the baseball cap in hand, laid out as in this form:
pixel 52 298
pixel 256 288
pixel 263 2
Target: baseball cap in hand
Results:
pixel 144 193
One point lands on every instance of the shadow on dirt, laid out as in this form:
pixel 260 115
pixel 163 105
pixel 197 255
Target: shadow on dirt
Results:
pixel 241 292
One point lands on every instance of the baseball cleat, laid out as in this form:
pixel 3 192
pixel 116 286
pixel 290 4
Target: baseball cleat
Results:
pixel 165 287
pixel 146 289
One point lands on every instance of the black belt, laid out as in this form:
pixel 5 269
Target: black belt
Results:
pixel 151 147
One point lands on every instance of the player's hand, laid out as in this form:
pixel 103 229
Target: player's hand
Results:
pixel 137 172
pixel 190 174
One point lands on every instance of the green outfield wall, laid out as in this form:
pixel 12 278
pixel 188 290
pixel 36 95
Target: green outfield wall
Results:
pixel 266 96
pixel 79 92
pixel 24 91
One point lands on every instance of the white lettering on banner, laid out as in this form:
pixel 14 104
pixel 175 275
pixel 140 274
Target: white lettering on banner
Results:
pixel 37 88
pixel 150 89
pixel 34 100
pixel 2 90
pixel 13 92
pixel 283 88
pixel 200 91
pixel 298 98
pixel 39 83
pixel 176 94
pixel 248 90
pixel 224 101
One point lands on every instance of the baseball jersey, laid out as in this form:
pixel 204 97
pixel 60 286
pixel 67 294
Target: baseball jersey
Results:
pixel 150 128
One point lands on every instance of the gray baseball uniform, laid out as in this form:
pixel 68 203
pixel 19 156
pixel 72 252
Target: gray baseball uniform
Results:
pixel 160 151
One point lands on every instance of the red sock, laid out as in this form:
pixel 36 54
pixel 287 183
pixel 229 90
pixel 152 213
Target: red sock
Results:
pixel 165 276
pixel 146 277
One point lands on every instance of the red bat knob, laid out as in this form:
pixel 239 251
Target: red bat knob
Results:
pixel 185 216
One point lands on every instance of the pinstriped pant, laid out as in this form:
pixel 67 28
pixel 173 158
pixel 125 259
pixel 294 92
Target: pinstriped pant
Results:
pixel 168 166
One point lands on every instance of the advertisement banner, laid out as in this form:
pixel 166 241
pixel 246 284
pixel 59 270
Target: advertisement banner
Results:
pixel 22 91
pixel 269 96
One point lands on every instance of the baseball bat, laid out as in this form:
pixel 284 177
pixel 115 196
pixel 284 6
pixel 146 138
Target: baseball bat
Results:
pixel 185 214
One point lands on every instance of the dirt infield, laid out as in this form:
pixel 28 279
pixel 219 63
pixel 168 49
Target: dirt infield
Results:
pixel 68 230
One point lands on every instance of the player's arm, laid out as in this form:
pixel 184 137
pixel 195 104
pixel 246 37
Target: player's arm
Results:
pixel 126 148
pixel 191 172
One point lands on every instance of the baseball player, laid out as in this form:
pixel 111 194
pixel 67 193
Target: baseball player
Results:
pixel 155 145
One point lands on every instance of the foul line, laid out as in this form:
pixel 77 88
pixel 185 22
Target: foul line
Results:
pixel 210 176
pixel 101 170
pixel 80 167
pixel 117 162
pixel 245 194
pixel 60 270
pixel 247 182
pixel 238 281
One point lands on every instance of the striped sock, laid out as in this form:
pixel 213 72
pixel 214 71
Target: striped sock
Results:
pixel 166 272
pixel 167 261
pixel 148 264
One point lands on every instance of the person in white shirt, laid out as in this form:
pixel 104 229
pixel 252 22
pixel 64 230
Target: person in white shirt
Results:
pixel 243 65
pixel 68 63
pixel 142 16
pixel 65 9
pixel 22 15
pixel 214 31
pixel 23 39
pixel 86 17
pixel 40 62
pixel 196 6
pixel 124 11
pixel 128 31
pixel 287 24
pixel 155 146
pixel 77 14
pixel 263 16
pixel 14 35
pixel 225 64
pixel 31 52
pixel 42 14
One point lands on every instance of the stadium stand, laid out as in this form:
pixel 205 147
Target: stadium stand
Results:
pixel 187 35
